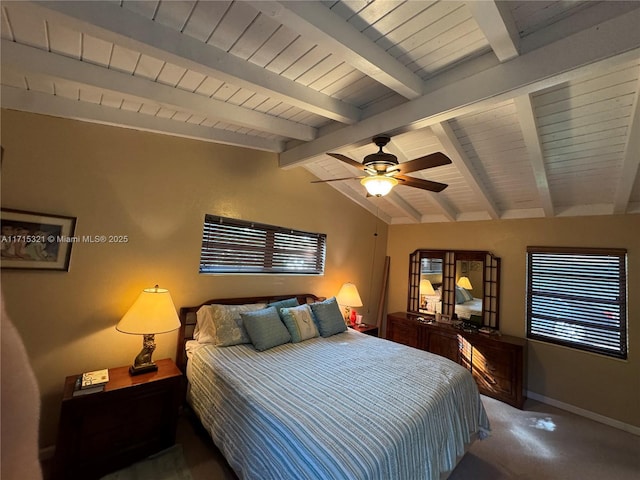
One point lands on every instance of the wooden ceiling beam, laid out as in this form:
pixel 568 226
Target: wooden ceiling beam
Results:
pixel 113 23
pixel 31 59
pixel 613 42
pixel 527 118
pixel 318 23
pixel 455 152
pixel 631 160
pixel 497 24
pixel 56 106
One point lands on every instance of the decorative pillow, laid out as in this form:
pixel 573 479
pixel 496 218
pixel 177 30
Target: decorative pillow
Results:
pixel 328 317
pixel 299 322
pixel 462 295
pixel 221 325
pixel 265 328
pixel 290 302
pixel 467 294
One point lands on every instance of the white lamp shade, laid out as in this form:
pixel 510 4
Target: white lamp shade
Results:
pixel 349 296
pixel 465 283
pixel 378 185
pixel 426 288
pixel 153 312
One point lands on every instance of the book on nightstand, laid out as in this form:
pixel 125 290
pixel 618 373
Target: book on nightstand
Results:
pixel 91 382
pixel 94 378
pixel 78 390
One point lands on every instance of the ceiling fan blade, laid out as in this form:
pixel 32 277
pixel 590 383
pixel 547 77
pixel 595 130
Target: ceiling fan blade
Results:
pixel 335 179
pixel 428 161
pixel 345 159
pixel 419 183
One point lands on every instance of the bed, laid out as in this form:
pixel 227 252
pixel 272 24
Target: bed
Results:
pixel 340 406
pixel 465 304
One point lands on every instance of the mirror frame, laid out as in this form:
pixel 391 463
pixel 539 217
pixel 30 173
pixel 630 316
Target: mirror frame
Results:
pixel 491 282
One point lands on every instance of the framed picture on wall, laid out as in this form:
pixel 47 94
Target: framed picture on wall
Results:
pixel 35 241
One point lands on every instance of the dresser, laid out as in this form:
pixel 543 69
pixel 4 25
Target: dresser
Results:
pixel 132 418
pixel 497 362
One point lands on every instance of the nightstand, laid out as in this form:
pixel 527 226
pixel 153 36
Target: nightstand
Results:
pixel 131 419
pixel 368 329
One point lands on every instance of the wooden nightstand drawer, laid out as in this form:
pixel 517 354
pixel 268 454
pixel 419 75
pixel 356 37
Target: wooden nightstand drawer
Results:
pixel 368 329
pixel 132 418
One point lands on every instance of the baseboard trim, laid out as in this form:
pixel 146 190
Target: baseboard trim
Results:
pixel 585 413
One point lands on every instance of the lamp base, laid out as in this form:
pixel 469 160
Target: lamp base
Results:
pixel 138 369
pixel 143 362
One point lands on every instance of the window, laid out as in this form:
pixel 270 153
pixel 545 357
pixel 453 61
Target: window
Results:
pixel 577 297
pixel 237 246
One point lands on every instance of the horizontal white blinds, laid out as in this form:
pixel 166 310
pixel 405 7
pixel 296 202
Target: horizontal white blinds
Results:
pixel 577 298
pixel 238 246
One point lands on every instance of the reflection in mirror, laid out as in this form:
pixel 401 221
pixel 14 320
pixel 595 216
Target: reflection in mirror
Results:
pixel 430 284
pixel 469 287
pixel 439 278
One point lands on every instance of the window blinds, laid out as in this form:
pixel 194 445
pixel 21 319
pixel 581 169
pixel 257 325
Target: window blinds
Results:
pixel 578 298
pixel 238 246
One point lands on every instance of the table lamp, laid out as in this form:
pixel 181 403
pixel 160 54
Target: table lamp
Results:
pixel 465 283
pixel 153 312
pixel 349 297
pixel 426 289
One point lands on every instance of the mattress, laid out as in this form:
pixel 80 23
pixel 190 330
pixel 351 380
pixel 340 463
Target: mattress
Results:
pixel 350 406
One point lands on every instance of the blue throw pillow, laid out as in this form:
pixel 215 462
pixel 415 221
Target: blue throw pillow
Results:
pixel 265 328
pixel 288 303
pixel 328 317
pixel 462 295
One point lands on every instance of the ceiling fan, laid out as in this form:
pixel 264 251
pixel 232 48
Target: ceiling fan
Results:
pixel 384 171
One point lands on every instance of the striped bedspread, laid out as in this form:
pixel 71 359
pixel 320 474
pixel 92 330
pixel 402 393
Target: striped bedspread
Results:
pixel 350 406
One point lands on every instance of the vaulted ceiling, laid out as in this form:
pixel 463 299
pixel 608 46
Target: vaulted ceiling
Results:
pixel 535 102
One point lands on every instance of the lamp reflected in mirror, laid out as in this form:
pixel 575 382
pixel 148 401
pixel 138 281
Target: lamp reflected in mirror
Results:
pixel 426 291
pixel 465 283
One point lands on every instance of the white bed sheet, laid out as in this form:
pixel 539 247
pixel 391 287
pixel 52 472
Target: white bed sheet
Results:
pixel 349 406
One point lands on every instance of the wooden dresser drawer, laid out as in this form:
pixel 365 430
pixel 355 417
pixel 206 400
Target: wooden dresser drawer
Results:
pixel 403 331
pixel 495 361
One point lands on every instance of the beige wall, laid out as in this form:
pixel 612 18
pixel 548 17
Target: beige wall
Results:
pixel 595 383
pixel 155 189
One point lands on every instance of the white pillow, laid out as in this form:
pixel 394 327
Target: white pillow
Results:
pixel 221 325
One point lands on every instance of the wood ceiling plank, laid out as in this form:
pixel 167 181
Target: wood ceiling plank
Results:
pixel 322 26
pixel 61 107
pixel 112 23
pixel 614 42
pixel 109 80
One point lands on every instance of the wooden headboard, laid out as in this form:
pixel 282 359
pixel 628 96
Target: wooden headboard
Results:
pixel 188 317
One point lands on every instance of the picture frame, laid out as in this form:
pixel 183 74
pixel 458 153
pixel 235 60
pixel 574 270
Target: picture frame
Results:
pixel 444 319
pixel 35 241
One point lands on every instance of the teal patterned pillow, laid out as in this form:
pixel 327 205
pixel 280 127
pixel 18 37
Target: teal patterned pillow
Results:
pixel 289 302
pixel 265 328
pixel 328 317
pixel 299 322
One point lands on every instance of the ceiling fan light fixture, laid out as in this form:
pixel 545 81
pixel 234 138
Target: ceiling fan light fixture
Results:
pixel 379 185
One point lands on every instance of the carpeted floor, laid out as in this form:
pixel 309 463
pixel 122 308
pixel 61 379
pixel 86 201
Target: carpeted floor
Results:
pixel 538 443
pixel 168 464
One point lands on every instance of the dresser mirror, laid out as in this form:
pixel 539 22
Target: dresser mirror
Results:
pixel 455 283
